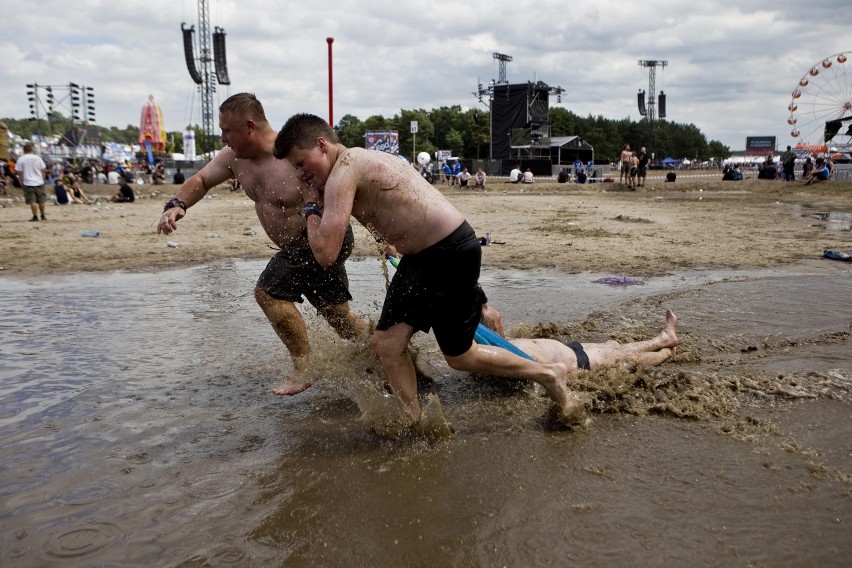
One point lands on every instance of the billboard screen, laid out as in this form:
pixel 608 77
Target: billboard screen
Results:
pixel 760 145
pixel 384 141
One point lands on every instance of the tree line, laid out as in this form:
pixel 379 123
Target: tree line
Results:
pixel 465 132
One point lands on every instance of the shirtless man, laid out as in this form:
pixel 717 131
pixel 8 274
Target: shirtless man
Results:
pixel 592 356
pixel 634 170
pixel 625 163
pixel 273 186
pixel 436 283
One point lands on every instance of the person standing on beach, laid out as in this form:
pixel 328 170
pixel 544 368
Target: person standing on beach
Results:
pixel 31 171
pixel 625 163
pixel 788 164
pixel 293 272
pixel 634 171
pixel 436 283
pixel 644 160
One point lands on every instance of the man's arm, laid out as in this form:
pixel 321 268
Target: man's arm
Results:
pixel 196 187
pixel 326 232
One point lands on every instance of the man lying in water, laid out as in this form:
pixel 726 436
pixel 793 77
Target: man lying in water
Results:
pixel 591 356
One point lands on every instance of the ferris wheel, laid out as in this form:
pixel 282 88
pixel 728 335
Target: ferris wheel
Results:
pixel 821 107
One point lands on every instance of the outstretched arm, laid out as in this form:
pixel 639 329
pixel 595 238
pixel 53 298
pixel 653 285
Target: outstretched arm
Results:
pixel 196 187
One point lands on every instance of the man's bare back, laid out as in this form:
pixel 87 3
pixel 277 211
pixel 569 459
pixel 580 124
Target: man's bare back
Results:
pixel 412 218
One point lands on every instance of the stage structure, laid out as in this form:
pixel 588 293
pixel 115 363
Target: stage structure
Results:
pixel 520 120
pixel 77 100
pixel 651 111
pixel 204 77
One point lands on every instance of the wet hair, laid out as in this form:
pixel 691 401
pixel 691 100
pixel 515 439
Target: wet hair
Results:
pixel 244 105
pixel 302 130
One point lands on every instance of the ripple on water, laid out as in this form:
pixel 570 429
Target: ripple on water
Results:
pixel 83 540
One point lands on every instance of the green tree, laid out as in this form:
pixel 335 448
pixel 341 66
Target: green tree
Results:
pixel 350 130
pixel 718 150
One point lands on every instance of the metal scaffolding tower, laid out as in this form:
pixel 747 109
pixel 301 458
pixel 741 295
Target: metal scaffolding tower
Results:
pixel 206 78
pixel 502 59
pixel 651 111
pixel 207 87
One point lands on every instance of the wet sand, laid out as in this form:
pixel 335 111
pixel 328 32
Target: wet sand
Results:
pixel 138 426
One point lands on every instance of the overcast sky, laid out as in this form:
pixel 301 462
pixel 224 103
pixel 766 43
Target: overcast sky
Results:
pixel 731 66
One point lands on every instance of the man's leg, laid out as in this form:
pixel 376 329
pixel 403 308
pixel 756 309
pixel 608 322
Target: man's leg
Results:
pixel 488 360
pixel 391 347
pixel 650 352
pixel 344 320
pixel 290 328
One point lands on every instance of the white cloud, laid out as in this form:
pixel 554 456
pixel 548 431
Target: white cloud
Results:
pixel 731 69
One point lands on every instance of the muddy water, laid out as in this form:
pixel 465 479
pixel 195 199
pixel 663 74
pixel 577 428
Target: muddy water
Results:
pixel 137 428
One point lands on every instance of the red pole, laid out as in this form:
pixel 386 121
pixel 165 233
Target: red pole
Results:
pixel 330 40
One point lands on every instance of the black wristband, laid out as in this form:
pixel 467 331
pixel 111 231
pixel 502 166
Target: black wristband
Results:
pixel 174 202
pixel 311 209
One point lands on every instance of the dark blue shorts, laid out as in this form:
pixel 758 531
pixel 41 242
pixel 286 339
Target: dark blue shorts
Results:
pixel 294 272
pixel 438 288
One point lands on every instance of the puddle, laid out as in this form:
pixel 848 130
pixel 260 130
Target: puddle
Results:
pixel 834 221
pixel 137 427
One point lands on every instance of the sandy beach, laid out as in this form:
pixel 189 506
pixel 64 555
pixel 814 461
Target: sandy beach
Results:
pixel 697 222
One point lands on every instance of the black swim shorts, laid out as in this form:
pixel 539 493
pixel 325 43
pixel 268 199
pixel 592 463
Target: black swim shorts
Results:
pixel 438 289
pixel 294 272
pixel 582 357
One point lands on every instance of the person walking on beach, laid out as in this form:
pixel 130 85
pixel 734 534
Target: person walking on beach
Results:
pixel 31 171
pixel 293 272
pixel 436 283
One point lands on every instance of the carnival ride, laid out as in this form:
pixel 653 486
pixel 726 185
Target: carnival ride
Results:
pixel 821 107
pixel 152 131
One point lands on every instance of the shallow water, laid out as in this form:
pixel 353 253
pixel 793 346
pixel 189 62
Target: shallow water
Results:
pixel 137 428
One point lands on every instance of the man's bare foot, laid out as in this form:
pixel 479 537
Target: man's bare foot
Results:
pixel 667 333
pixel 290 387
pixel 569 408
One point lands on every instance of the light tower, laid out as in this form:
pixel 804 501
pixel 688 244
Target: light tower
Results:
pixel 651 111
pixel 205 77
pixel 502 60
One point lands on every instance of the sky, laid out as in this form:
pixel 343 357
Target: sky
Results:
pixel 732 67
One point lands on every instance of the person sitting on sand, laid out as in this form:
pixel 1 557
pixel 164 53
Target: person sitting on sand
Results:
pixel 479 178
pixel 125 193
pixel 821 172
pixel 77 195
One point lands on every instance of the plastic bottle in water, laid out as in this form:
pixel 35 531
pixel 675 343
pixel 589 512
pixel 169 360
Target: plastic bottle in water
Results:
pixel 90 233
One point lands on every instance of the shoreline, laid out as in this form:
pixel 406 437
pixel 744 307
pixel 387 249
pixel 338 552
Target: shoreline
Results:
pixel 660 229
